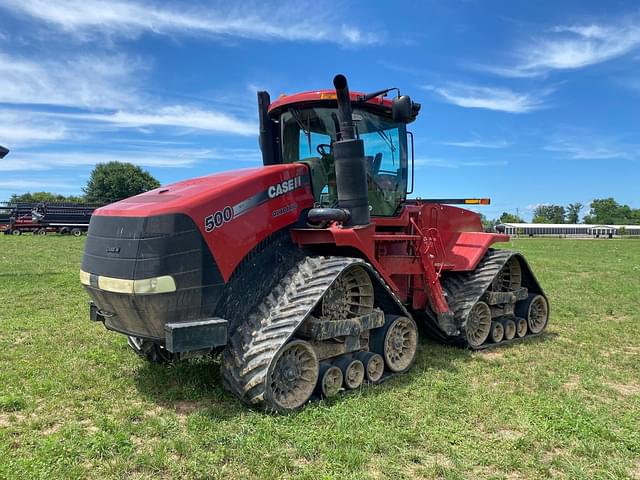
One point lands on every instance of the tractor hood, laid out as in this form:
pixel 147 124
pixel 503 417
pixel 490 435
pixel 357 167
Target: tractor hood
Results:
pixel 232 211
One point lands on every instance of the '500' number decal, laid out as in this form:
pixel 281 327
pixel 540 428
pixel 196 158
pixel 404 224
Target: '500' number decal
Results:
pixel 216 220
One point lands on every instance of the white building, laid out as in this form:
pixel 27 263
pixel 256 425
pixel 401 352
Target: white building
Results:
pixel 566 229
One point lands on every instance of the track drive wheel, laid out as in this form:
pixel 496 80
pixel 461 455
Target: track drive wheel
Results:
pixel 497 332
pixel 329 380
pixel 536 310
pixel 397 342
pixel 478 326
pixel 509 277
pixel 373 365
pixel 292 376
pixel 150 351
pixel 350 295
pixel 509 329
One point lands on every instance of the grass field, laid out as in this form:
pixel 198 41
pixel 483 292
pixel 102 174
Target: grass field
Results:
pixel 75 403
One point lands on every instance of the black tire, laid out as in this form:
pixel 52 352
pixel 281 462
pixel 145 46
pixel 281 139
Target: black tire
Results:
pixel 535 309
pixel 40 232
pixel 509 329
pixel 398 358
pixel 478 325
pixel 522 327
pixel 373 365
pixel 16 232
pixel 352 371
pixel 76 232
pixel 330 380
pixel 64 231
pixel 292 376
pixel 497 332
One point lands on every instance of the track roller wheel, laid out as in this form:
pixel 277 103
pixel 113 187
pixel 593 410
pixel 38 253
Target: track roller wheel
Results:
pixel 352 370
pixel 521 327
pixel 292 376
pixel 478 324
pixel 536 311
pixel 329 381
pixel 150 351
pixel 397 342
pixel 497 332
pixel 509 329
pixel 373 365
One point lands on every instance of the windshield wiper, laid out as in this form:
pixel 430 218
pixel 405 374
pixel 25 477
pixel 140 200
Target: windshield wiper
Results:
pixel 295 113
pixel 389 141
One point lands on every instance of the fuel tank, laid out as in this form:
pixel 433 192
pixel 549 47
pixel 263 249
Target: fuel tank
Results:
pixel 165 256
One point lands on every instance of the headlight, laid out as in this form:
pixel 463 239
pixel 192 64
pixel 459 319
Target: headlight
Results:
pixel 163 284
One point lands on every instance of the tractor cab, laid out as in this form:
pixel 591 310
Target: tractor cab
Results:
pixel 304 128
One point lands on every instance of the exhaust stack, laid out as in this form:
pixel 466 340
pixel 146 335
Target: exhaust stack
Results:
pixel 348 154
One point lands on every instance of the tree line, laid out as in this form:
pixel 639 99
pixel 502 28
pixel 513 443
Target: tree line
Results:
pixel 601 211
pixel 108 183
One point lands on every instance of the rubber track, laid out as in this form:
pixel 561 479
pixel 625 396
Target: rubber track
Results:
pixel 466 288
pixel 255 342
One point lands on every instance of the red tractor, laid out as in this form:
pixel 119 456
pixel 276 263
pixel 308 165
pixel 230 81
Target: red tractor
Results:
pixel 307 273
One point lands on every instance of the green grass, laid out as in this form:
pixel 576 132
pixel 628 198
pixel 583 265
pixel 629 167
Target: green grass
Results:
pixel 75 403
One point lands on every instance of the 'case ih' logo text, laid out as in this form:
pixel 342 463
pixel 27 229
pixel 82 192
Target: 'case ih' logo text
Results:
pixel 284 187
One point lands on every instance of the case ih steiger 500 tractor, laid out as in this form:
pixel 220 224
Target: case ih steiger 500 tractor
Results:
pixel 307 273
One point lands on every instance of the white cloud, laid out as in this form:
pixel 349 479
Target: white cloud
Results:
pixel 573 47
pixel 293 21
pixel 110 84
pixel 170 116
pixel 41 184
pixel 491 98
pixel 161 158
pixel 437 162
pixel 590 148
pixel 478 144
pixel 81 81
pixel 21 128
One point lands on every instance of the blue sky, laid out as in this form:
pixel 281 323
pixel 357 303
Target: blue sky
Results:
pixel 524 102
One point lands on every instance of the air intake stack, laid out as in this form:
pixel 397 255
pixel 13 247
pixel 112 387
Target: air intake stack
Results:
pixel 348 154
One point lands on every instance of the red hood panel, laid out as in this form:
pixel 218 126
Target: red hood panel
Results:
pixel 234 211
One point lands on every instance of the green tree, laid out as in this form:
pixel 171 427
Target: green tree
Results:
pixel 113 181
pixel 488 224
pixel 507 217
pixel 548 214
pixel 44 197
pixel 609 211
pixel 573 212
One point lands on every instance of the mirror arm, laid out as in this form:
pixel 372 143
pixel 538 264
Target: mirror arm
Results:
pixel 369 96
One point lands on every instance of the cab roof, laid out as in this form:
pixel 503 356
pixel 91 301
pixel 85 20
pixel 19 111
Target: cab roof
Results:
pixel 322 96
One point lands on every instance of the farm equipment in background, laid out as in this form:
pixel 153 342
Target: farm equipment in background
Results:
pixel 41 218
pixel 307 274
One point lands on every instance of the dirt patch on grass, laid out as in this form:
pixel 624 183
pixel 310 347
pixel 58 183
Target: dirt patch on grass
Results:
pixel 635 471
pixel 507 434
pixel 491 355
pixel 625 389
pixel 184 407
pixel 572 383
